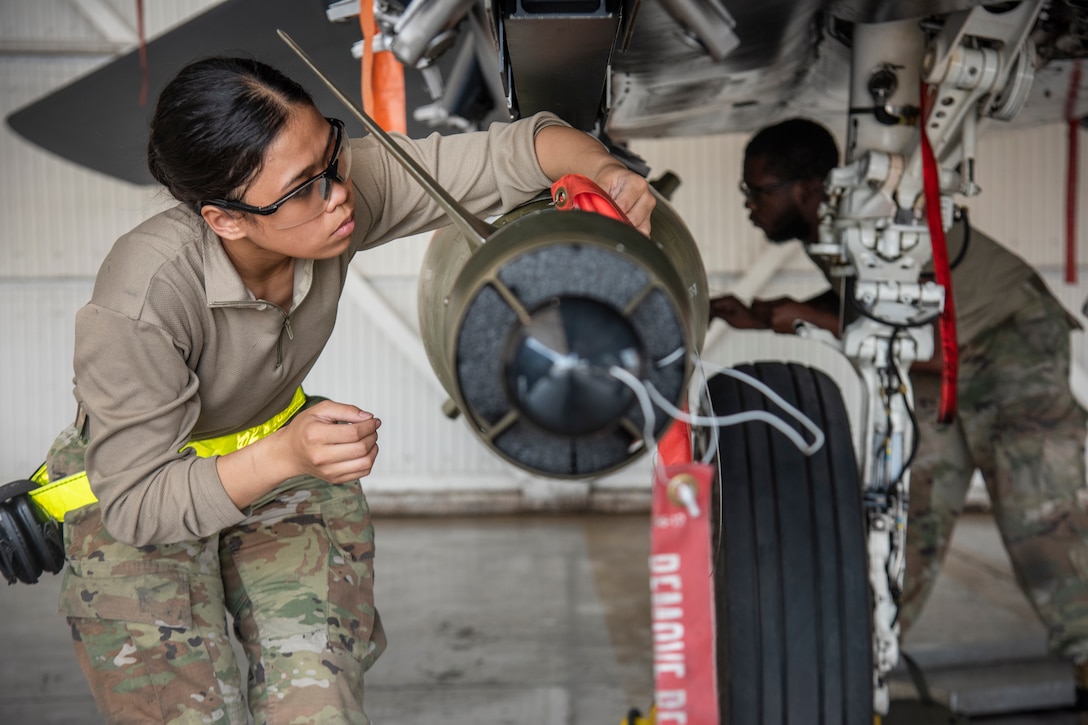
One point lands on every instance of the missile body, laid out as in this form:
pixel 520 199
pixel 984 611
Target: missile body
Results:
pixel 526 330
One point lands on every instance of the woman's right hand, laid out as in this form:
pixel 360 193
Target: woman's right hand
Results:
pixel 334 442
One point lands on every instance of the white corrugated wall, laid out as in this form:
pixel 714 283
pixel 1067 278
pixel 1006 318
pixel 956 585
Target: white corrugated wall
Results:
pixel 58 221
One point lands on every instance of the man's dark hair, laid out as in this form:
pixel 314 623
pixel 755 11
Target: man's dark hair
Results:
pixel 795 149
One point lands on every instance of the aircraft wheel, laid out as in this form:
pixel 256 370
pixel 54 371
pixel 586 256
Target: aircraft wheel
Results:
pixel 791 583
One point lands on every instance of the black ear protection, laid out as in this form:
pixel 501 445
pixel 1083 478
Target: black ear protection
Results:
pixel 30 540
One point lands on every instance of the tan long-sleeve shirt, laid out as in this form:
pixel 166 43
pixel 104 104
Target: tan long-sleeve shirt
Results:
pixel 172 347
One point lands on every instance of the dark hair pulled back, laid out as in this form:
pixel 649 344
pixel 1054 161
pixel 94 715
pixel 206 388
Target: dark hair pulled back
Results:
pixel 213 123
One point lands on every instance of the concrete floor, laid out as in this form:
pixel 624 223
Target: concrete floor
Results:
pixel 545 620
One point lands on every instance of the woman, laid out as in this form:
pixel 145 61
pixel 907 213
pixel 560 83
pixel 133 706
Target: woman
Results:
pixel 203 323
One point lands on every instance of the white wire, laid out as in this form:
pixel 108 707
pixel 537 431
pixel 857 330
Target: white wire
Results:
pixel 670 358
pixel 644 402
pixel 776 421
pixel 712 449
pixel 645 392
pixel 708 457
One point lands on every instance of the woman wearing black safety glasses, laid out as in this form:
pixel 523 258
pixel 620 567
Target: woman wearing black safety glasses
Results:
pixel 203 323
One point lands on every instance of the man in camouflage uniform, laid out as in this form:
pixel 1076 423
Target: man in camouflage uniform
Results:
pixel 1018 421
pixel 1020 425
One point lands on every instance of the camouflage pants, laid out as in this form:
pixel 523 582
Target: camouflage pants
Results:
pixel 1020 425
pixel 150 626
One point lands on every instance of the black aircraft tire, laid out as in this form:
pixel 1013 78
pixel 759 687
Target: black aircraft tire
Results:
pixel 791 584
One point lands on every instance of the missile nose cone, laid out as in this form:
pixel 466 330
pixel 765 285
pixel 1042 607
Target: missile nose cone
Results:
pixel 557 366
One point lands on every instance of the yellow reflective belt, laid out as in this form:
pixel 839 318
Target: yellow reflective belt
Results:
pixel 61 496
pixel 72 492
pixel 231 442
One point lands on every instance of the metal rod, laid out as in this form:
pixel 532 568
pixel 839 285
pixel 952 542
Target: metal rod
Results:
pixel 476 230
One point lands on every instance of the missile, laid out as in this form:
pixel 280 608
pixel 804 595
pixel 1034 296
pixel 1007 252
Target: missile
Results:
pixel 525 331
pixel 544 326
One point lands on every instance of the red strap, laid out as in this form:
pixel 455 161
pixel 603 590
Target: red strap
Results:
pixel 675 445
pixel 682 598
pixel 1072 162
pixel 575 191
pixel 947 326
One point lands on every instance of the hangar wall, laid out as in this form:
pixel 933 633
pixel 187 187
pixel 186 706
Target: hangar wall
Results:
pixel 58 221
